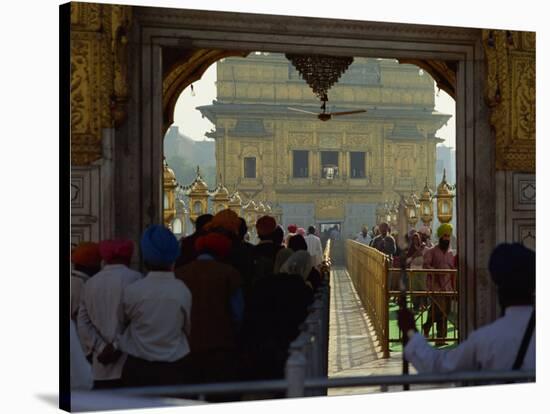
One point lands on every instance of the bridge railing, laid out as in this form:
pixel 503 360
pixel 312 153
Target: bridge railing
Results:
pixel 298 385
pixel 427 303
pixel 368 269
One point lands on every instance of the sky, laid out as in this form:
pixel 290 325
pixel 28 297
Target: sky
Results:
pixel 190 121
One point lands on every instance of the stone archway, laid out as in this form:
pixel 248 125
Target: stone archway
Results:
pixel 139 159
pixel 182 67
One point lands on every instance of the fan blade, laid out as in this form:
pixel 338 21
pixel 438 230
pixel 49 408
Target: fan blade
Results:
pixel 348 112
pixel 301 110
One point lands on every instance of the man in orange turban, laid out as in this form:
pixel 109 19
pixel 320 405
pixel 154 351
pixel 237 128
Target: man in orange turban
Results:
pixel 227 220
pixel 86 263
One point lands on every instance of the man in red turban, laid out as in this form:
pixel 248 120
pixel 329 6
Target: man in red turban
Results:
pixel 116 251
pixel 86 263
pixel 100 316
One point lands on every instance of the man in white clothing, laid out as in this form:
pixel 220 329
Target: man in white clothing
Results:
pixel 314 247
pixel 100 315
pixel 86 263
pixel 157 311
pixel 364 237
pixel 508 342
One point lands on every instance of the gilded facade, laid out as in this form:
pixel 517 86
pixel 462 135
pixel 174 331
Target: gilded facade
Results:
pixel 270 152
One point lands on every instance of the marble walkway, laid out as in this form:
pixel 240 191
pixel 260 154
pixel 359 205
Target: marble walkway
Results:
pixel 352 350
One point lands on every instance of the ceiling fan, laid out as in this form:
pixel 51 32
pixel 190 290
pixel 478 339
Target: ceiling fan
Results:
pixel 325 116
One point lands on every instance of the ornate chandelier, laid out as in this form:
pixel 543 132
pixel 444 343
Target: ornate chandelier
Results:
pixel 320 71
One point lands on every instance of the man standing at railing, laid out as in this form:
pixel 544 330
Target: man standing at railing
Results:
pixel 364 236
pixel 507 343
pixel 384 242
pixel 440 256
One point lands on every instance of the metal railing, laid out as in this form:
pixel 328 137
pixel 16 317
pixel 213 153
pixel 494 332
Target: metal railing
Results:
pixel 429 303
pixel 377 285
pixel 298 385
pixel 308 353
pixel 368 269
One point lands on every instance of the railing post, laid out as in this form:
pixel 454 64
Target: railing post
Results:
pixel 386 311
pixel 295 374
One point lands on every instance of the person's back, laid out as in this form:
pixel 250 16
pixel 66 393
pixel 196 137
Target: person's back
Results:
pixel 211 284
pixel 492 347
pixel 158 307
pixel 314 247
pixel 100 319
pixel 495 346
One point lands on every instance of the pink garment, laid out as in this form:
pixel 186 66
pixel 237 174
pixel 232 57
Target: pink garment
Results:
pixel 435 258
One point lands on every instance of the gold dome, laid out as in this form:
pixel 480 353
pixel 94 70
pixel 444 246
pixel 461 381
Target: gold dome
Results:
pixel 168 176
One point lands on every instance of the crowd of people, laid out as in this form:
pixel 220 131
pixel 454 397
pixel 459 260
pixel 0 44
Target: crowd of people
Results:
pixel 421 254
pixel 211 307
pixel 507 343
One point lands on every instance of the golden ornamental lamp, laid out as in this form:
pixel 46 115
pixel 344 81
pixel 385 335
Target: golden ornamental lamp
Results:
pixel 250 214
pixel 444 200
pixel 426 205
pixel 235 203
pixel 220 199
pixel 412 210
pixel 198 198
pixel 169 194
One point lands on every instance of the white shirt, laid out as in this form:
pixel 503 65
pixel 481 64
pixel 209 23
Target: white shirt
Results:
pixel 158 310
pixel 492 347
pixel 100 317
pixel 363 239
pixel 81 372
pixel 78 279
pixel 314 248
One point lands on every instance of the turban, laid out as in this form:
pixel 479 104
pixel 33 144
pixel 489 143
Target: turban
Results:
pixel 111 250
pixel 159 246
pixel 513 267
pixel 86 254
pixel 292 228
pixel 215 243
pixel 265 225
pixel 301 231
pixel 444 229
pixel 226 219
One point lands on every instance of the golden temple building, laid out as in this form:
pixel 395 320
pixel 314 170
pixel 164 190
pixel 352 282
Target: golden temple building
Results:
pixel 333 172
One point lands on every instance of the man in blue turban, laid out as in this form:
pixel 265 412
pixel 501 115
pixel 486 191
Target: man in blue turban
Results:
pixel 157 310
pixel 508 342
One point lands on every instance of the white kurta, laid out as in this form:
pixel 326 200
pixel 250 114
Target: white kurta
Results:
pixel 314 248
pixel 492 347
pixel 81 372
pixel 363 239
pixel 78 279
pixel 158 310
pixel 100 318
